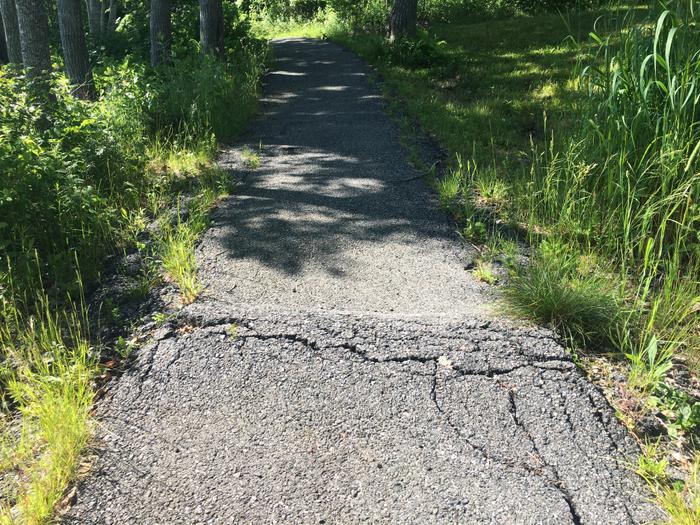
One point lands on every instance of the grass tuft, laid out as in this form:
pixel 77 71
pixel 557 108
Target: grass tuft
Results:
pixel 178 259
pixel 484 272
pixel 450 188
pixel 251 158
pixel 550 290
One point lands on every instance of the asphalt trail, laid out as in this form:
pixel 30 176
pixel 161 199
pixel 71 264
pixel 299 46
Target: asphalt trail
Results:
pixel 341 366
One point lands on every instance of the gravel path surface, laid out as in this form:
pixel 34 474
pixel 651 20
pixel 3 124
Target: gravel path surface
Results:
pixel 342 367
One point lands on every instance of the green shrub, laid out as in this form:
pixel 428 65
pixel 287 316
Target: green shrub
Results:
pixel 56 180
pixel 64 187
pixel 284 10
pixel 366 15
pixel 446 10
pixel 421 52
pixel 200 92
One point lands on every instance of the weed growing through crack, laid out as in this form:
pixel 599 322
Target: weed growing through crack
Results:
pixel 484 272
pixel 251 158
pixel 161 318
pixel 123 348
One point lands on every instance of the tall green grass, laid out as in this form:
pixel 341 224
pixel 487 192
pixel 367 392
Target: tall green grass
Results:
pixel 627 183
pixel 49 366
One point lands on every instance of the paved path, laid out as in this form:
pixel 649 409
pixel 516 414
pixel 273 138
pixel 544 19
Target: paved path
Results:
pixel 342 367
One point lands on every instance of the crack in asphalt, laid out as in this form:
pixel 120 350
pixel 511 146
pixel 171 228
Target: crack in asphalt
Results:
pixel 556 483
pixel 324 341
pixel 559 484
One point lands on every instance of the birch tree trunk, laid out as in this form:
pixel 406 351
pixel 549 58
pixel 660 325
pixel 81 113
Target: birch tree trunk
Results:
pixel 160 31
pixel 75 51
pixel 113 13
pixel 3 44
pixel 402 20
pixel 94 17
pixel 11 30
pixel 104 5
pixel 34 36
pixel 211 27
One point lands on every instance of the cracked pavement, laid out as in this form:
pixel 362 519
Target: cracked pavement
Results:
pixel 341 366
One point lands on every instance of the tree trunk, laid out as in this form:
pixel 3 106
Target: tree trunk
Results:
pixel 34 36
pixel 3 44
pixel 211 27
pixel 112 19
pixel 11 30
pixel 103 16
pixel 74 48
pixel 160 31
pixel 94 17
pixel 402 20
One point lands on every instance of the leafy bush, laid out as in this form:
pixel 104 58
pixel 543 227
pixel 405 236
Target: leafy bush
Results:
pixel 422 52
pixel 200 91
pixel 65 186
pixel 53 193
pixel 416 53
pixel 282 10
pixel 367 15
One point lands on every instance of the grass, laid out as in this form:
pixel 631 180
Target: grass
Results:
pixel 51 384
pixel 484 272
pixel 681 502
pixel 450 188
pixel 178 259
pixel 251 158
pixel 679 499
pixel 551 289
pixel 491 191
pixel 176 242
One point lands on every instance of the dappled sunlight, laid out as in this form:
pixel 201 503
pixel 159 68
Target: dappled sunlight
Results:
pixel 332 88
pixel 287 73
pixel 505 76
pixel 280 98
pixel 333 207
